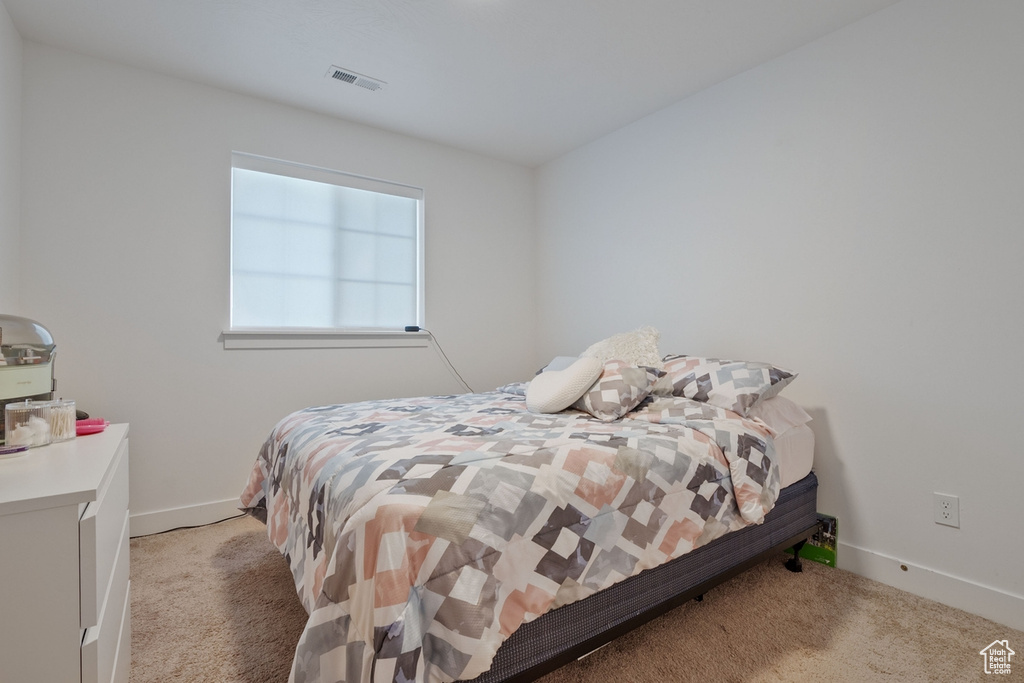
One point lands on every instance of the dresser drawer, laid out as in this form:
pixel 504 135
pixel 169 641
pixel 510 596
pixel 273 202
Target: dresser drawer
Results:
pixel 103 645
pixel 123 660
pixel 103 528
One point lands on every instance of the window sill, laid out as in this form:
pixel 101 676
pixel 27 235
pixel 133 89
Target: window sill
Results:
pixel 323 339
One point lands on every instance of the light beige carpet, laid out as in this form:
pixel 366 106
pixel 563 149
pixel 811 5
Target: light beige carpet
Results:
pixel 217 604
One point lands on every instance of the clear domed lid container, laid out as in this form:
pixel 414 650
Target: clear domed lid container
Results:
pixel 27 424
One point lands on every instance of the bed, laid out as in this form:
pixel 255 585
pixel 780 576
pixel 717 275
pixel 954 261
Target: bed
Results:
pixel 469 537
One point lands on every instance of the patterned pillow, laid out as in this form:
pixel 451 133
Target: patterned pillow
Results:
pixel 620 388
pixel 733 385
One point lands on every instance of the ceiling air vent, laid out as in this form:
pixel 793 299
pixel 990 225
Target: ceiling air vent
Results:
pixel 347 76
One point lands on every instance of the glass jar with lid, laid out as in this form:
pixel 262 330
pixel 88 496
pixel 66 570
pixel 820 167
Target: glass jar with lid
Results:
pixel 27 423
pixel 63 423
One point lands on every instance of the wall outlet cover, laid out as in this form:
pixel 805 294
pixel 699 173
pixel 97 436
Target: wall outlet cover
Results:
pixel 947 510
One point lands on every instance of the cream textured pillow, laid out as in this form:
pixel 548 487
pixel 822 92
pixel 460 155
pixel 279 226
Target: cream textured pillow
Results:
pixel 555 390
pixel 639 347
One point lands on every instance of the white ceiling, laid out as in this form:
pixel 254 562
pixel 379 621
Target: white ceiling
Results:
pixel 521 80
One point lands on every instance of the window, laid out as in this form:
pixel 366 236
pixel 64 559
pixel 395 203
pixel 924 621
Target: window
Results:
pixel 318 249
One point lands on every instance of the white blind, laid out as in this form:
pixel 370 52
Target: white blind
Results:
pixel 311 248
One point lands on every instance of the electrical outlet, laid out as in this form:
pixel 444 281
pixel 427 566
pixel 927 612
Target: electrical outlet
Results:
pixel 947 510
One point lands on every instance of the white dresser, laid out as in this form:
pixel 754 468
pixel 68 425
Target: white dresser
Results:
pixel 64 581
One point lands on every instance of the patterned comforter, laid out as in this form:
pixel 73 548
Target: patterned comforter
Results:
pixel 421 533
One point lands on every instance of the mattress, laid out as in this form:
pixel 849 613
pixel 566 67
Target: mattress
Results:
pixel 794 452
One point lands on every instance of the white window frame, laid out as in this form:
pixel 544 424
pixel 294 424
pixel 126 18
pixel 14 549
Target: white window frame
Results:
pixel 239 337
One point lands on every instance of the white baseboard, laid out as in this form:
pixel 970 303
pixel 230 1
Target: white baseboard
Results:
pixel 146 523
pixel 991 603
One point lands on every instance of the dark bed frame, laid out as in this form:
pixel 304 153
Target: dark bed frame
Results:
pixel 569 632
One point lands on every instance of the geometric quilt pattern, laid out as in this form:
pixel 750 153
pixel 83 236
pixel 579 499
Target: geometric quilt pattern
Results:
pixel 734 385
pixel 422 532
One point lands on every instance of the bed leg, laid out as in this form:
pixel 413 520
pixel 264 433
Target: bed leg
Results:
pixel 699 598
pixel 793 563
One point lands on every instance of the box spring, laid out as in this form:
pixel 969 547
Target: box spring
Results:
pixel 573 630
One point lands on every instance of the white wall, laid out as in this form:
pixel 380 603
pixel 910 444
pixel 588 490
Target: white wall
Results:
pixel 10 162
pixel 126 219
pixel 853 211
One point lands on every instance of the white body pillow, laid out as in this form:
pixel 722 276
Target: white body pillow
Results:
pixel 555 390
